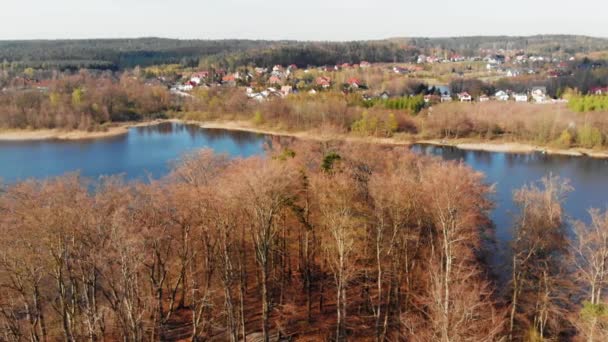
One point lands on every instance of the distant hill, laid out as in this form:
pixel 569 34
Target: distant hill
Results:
pixel 120 53
pixel 546 44
pixel 125 53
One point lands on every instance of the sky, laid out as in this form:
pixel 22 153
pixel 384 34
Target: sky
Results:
pixel 335 20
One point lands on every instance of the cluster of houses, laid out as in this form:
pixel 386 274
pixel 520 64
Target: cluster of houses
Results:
pixel 276 79
pixel 535 95
pixel 269 92
pixel 491 57
pixel 599 91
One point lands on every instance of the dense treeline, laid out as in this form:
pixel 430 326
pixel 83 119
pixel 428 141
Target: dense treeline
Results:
pixel 544 44
pixel 121 53
pixel 83 102
pixel 312 242
pixel 305 54
pixel 319 242
pixel 126 53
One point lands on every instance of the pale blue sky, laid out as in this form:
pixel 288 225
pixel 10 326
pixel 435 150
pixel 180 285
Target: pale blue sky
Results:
pixel 302 19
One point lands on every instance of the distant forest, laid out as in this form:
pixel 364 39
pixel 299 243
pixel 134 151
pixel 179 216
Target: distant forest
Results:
pixel 126 53
pixel 542 44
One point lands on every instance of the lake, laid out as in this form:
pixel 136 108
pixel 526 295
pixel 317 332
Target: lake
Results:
pixel 143 151
pixel 148 151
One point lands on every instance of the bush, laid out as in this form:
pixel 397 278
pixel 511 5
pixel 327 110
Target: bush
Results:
pixel 566 139
pixel 589 103
pixel 258 118
pixel 589 137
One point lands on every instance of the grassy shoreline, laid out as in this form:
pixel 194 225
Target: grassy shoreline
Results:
pixel 246 126
pixel 463 144
pixel 62 134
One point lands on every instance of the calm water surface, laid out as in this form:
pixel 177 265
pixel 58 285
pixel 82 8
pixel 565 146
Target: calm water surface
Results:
pixel 510 171
pixel 150 150
pixel 143 151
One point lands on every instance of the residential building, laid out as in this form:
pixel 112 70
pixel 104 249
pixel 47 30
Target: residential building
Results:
pixel 539 94
pixel 521 97
pixel 501 95
pixel 465 97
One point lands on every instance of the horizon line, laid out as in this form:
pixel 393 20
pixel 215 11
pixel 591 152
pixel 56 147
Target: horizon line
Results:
pixel 307 40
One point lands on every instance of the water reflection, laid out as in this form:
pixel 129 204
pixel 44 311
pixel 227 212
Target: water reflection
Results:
pixel 144 150
pixel 510 171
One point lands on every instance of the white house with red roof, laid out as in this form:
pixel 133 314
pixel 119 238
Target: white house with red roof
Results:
pixel 323 81
pixel 465 97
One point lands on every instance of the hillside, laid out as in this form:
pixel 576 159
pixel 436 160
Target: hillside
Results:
pixel 126 53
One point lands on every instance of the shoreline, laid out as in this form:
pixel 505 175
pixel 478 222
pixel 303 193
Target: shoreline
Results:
pixel 463 144
pixel 69 135
pixel 513 147
pixel 244 126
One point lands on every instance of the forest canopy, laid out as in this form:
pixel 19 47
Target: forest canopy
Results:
pixel 127 53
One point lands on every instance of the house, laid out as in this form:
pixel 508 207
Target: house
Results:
pixel 353 82
pixel 484 98
pixel 229 79
pixel 400 70
pixel 599 91
pixel 465 97
pixel 199 77
pixel 520 97
pixel 365 64
pixel 323 82
pixel 188 86
pixel 513 73
pixel 274 80
pixel 384 95
pixel 539 94
pixel 286 90
pixel 456 58
pixel 501 95
pixel 446 98
pixel 260 97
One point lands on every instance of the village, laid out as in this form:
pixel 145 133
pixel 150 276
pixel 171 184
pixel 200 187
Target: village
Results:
pixel 436 77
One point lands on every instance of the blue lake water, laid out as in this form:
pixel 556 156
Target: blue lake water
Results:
pixel 142 152
pixel 148 151
pixel 510 171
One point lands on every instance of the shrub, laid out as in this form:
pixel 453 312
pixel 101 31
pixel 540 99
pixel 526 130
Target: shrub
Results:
pixel 329 160
pixel 589 137
pixel 566 139
pixel 258 118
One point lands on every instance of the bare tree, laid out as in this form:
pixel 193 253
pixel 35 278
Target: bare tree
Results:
pixel 336 198
pixel 538 247
pixel 590 249
pixel 266 193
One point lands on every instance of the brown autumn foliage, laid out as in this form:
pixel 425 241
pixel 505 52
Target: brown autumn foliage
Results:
pixel 522 122
pixel 83 102
pixel 540 286
pixel 370 244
